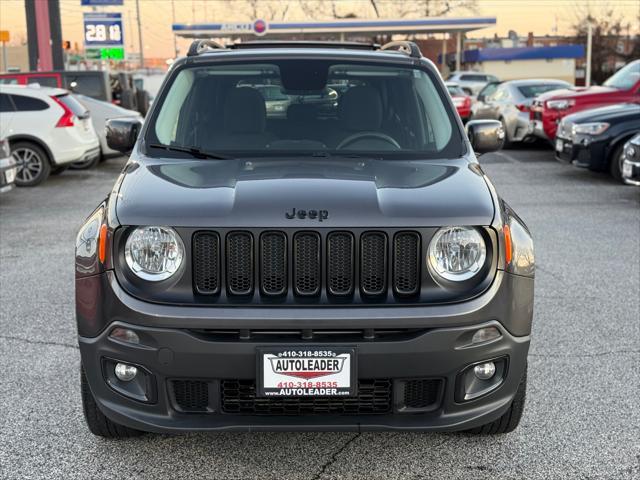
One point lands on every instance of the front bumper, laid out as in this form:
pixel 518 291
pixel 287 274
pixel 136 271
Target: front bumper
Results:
pixel 631 172
pixel 584 152
pixel 173 348
pixel 8 172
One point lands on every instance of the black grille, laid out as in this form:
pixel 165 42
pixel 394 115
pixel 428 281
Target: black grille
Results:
pixel 340 263
pixel 273 263
pixel 406 263
pixel 306 263
pixel 360 266
pixel 206 265
pixel 373 263
pixel 422 392
pixel 239 397
pixel 191 395
pixel 240 263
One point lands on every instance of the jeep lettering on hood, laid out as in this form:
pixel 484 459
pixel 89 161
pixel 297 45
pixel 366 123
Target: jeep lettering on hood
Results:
pixel 319 215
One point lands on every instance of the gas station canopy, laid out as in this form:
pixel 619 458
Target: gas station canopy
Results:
pixel 341 29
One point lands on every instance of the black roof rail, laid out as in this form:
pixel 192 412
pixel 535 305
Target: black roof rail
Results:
pixel 303 44
pixel 404 46
pixel 201 46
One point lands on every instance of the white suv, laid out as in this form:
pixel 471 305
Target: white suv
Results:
pixel 47 129
pixel 472 82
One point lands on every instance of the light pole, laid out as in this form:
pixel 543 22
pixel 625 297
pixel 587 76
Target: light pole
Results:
pixel 587 80
pixel 173 20
pixel 140 35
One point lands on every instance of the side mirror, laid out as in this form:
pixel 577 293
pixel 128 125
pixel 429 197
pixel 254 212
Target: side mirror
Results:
pixel 485 135
pixel 122 133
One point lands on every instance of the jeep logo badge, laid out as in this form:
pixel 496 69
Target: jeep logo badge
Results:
pixel 319 215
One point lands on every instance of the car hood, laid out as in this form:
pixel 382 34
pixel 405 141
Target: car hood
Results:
pixel 260 192
pixel 609 113
pixel 575 93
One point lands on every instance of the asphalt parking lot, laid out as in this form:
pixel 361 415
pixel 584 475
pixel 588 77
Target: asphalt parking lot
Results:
pixel 581 419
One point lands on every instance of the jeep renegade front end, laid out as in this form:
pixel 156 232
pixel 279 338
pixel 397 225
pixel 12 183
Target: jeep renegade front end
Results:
pixel 342 265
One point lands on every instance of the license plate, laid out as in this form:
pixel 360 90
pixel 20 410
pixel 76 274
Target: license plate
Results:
pixel 559 145
pixel 306 372
pixel 627 169
pixel 11 175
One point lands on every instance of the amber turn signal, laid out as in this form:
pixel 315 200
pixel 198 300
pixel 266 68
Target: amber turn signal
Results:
pixel 507 244
pixel 102 243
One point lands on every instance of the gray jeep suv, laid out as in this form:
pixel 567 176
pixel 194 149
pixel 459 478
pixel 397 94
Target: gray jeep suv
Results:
pixel 346 266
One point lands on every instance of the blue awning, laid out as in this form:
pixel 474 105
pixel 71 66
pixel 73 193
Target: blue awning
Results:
pixel 523 53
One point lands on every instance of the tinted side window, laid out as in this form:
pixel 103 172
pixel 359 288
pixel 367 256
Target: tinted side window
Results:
pixel 5 103
pixel 45 81
pixel 89 85
pixel 28 104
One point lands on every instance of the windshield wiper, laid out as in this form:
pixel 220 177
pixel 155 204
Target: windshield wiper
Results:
pixel 195 152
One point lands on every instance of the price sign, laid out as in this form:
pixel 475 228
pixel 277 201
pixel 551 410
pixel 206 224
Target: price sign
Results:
pixel 103 30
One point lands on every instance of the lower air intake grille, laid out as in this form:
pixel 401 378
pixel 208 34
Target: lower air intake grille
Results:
pixel 191 395
pixel 240 263
pixel 373 263
pixel 406 263
pixel 239 397
pixel 422 393
pixel 306 262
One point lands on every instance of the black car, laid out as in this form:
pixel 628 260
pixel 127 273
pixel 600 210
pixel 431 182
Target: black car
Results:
pixel 362 274
pixel 631 161
pixel 595 138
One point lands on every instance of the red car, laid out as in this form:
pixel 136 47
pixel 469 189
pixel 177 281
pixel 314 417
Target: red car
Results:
pixel 461 100
pixel 548 109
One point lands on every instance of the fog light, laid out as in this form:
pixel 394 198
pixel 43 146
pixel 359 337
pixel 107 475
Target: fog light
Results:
pixel 485 334
pixel 125 335
pixel 484 371
pixel 126 372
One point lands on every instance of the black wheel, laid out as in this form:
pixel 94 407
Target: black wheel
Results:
pixel 97 422
pixel 85 164
pixel 615 164
pixel 506 143
pixel 143 101
pixel 59 170
pixel 33 164
pixel 511 418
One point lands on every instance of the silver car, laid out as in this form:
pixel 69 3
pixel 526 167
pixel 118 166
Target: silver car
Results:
pixel 510 103
pixel 472 82
pixel 101 112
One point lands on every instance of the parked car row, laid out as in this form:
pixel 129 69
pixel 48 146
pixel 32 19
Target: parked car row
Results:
pixel 119 88
pixel 50 129
pixel 587 127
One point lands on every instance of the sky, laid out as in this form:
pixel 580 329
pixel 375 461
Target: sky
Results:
pixel 539 16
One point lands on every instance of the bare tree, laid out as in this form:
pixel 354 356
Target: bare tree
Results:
pixel 421 8
pixel 610 33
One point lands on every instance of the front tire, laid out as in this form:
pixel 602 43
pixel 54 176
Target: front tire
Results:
pixel 506 143
pixel 511 418
pixel 615 164
pixel 33 164
pixel 85 164
pixel 97 421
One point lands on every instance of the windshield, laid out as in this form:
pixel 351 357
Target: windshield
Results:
pixel 455 90
pixel 626 77
pixel 305 107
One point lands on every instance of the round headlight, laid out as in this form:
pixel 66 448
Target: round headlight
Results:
pixel 457 253
pixel 154 253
